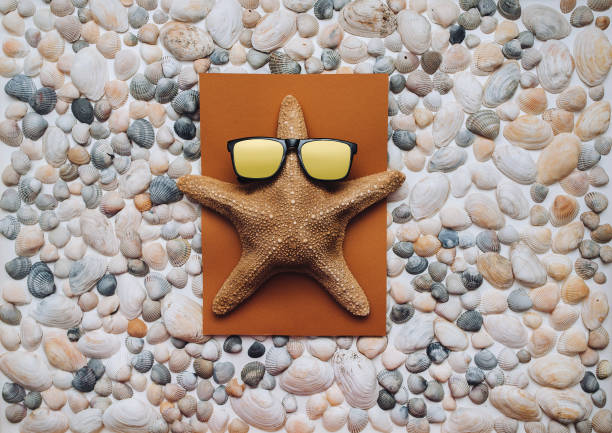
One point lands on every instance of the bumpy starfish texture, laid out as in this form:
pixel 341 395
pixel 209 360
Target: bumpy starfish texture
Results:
pixel 291 223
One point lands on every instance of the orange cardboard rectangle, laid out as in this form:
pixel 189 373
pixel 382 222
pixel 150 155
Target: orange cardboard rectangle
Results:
pixel 349 107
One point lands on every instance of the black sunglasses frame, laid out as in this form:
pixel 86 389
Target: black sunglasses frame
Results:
pixel 290 143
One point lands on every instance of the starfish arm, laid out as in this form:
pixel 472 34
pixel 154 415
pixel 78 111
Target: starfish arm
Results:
pixel 223 197
pixel 359 194
pixel 247 276
pixel 333 273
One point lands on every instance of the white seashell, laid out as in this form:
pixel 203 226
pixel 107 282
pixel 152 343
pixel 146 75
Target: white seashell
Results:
pixel 593 121
pixel 468 420
pixel 565 406
pixel 300 48
pixel 98 344
pixel 182 318
pixel 428 195
pixel 190 10
pixel 43 420
pixel 539 239
pixel 451 336
pixel 515 163
pixel 483 211
pixel 129 416
pixel 447 123
pixel 356 377
pixel 27 369
pixel 526 267
pixel 460 182
pixel 501 85
pixel 545 22
pixel 556 371
pixel 507 330
pixel 468 91
pixel 454 217
pixel 259 408
pixel 86 421
pixel 352 50
pixel 511 200
pixel 529 132
pixel 415 334
pixel 57 311
pixel 515 403
pixel 135 180
pixel 556 67
pixel 379 420
pixel 568 237
pixel 442 12
pixel 593 55
pixel 224 23
pixel 307 376
pixel 415 31
pixel 368 18
pixel 274 30
pixel 110 14
pixel 322 348
pixel 335 418
pixel 89 72
pixel 98 233
pixel 299 423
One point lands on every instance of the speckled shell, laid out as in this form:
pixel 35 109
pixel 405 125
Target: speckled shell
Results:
pixel 368 18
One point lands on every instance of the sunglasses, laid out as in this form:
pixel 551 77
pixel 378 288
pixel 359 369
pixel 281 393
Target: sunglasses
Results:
pixel 258 158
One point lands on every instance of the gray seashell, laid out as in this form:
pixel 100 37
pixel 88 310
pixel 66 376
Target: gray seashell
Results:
pixel 401 313
pixel 92 195
pixel 509 9
pixel 501 85
pixel 219 56
pixel 43 100
pixel 470 321
pixel 82 110
pixel 9 227
pixel 102 110
pixel 157 286
pixel 417 407
pixel 84 379
pixel 447 159
pixel 545 22
pixel 323 9
pixel 18 268
pixel 33 400
pixel 10 200
pixel 538 192
pixel 33 126
pixel 186 102
pixel 512 49
pixel 141 132
pixel 417 362
pixel 257 59
pixel 390 380
pixel 416 265
pixel 484 123
pixel 434 391
pixel 143 362
pixel 464 138
pixel 185 128
pixel 153 72
pixel 357 420
pixel 85 273
pixel 581 16
pixel 531 57
pixel 107 285
pixel 519 301
pixel 603 144
pixel 160 374
pixel 277 360
pixel 41 282
pixel 48 220
pixel 232 344
pixel 252 373
pixel 588 157
pixel 281 63
pixel 21 87
pixel 223 372
pixel 10 315
pixel 137 17
pixel 166 90
pixel 596 201
pixel 141 88
pixel 164 190
pixel 470 19
pixel 416 383
pixel 28 189
pixel 487 241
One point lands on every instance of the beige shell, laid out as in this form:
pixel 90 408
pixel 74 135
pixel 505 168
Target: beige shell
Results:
pixel 457 58
pixel 515 403
pixel 593 121
pixel 529 132
pixel 307 376
pixel 573 99
pixel 61 353
pixel 368 18
pixel 559 120
pixel 563 210
pixel 556 68
pixel 556 371
pixel 496 269
pixel 572 342
pixel 566 406
pixel 415 31
pixel 274 30
pixel 532 101
pixel 183 318
pixel 27 369
pixel 595 310
pixel 353 50
pixel 51 46
pixel 44 420
pixel 109 44
pixel 466 420
pixel 447 123
pixel 558 159
pixel 593 55
pixel 483 211
pixel 130 416
pixel 487 58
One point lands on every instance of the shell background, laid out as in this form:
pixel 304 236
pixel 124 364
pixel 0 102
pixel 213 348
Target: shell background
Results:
pixel 107 322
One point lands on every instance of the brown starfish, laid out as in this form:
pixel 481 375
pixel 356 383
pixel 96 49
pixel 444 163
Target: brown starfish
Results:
pixel 291 223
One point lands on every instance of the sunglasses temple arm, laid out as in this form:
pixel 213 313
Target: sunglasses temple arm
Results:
pixel 213 193
pixel 359 194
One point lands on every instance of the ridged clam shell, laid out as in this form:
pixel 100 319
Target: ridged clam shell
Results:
pixel 507 330
pixel 307 376
pixel 274 30
pixel 529 132
pixel 515 403
pixel 515 163
pixel 501 85
pixel 563 210
pixel 367 18
pixel 593 121
pixel 593 56
pixel 40 280
pixel 428 195
pixel 457 58
pixel 27 369
pixel 556 68
pixel 447 123
pixel 89 73
pixel 259 408
pixel 484 123
pixel 414 30
pixel 556 371
pixel 565 406
pixel 545 22
pixel 356 377
pixel 511 200
pixel 537 238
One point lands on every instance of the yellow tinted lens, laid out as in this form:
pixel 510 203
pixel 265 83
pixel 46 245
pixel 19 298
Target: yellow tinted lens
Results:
pixel 257 158
pixel 326 159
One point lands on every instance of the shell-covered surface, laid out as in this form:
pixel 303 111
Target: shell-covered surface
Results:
pixel 498 242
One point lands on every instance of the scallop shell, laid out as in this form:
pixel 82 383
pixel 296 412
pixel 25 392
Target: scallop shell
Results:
pixel 593 121
pixel 356 377
pixel 368 18
pixel 593 56
pixel 501 85
pixel 415 31
pixel 484 123
pixel 556 68
pixel 428 195
pixel 457 58
pixel 259 408
pixel 563 210
pixel 274 30
pixel 515 163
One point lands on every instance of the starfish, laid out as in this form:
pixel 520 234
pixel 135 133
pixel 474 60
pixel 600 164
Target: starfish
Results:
pixel 291 223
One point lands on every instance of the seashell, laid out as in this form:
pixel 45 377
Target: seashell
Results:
pixel 484 123
pixel 592 53
pixel 10 133
pixel 26 369
pixel 174 34
pixel 447 124
pixel 129 415
pixel 45 420
pixel 274 30
pixel 463 420
pixel 367 18
pixel 511 200
pixel 571 342
pixel 501 85
pixel 442 12
pixel 529 132
pixel 260 409
pixel 558 159
pixel 356 377
pixel 506 330
pixel 565 406
pixel 180 316
pixel 550 23
pixel 33 125
pixel 526 267
pixel 593 121
pixel 483 211
pixel 515 403
pixel 515 163
pixel 322 348
pixel 595 310
pixel 563 210
pixel 560 120
pixel 468 92
pixel 457 58
pixel 85 273
pixel 556 371
pixel 89 84
pixel 224 23
pixel 556 68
